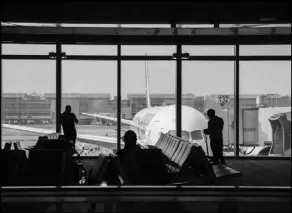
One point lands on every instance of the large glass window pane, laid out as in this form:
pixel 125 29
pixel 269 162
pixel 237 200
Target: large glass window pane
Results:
pixel 252 25
pixel 148 50
pixel 195 25
pixel 197 50
pixel 88 25
pixel 27 108
pixel 89 49
pixel 90 87
pixel 146 25
pixel 265 129
pixel 27 49
pixel 160 115
pixel 265 50
pixel 205 85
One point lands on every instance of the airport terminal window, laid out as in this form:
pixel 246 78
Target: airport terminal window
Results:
pixel 194 25
pixel 269 84
pixel 27 49
pixel 90 49
pixel 88 25
pixel 205 85
pixel 196 135
pixel 29 97
pixel 161 85
pixel 146 25
pixel 184 134
pixel 28 90
pixel 270 50
pixel 148 50
pixel 90 87
pixel 202 50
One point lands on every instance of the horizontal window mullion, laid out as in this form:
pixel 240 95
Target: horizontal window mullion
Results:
pixel 264 58
pixel 90 57
pixel 138 57
pixel 130 57
pixel 241 58
pixel 27 57
pixel 141 57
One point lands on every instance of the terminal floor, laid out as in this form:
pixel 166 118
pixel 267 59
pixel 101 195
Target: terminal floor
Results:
pixel 255 172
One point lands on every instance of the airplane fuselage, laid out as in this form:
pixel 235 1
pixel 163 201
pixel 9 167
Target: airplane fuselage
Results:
pixel 155 120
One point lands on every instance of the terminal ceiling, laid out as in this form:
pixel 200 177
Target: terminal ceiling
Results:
pixel 151 12
pixel 168 12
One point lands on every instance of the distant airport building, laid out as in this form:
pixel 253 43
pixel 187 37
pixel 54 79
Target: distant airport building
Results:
pixel 247 101
pixel 199 103
pixel 91 103
pixel 138 100
pixel 22 108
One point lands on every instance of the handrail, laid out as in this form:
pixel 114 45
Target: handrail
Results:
pixel 52 194
pixel 37 30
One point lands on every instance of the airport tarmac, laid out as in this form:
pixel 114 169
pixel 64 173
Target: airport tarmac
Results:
pixel 28 139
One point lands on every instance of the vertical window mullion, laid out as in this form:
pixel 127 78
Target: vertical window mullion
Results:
pixel 119 98
pixel 58 85
pixel 236 100
pixel 178 89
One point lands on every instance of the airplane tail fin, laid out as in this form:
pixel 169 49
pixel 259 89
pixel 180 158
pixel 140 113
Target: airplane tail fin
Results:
pixel 148 100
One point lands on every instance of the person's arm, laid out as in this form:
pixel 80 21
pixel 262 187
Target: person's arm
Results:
pixel 61 119
pixel 207 131
pixel 75 119
pixel 222 124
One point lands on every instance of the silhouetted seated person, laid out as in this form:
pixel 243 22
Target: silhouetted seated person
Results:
pixel 141 166
pixel 68 121
pixel 128 164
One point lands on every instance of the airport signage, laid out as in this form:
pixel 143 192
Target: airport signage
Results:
pixel 222 99
pixel 270 96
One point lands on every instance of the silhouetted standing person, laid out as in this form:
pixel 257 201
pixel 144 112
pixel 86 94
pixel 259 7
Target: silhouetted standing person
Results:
pixel 68 121
pixel 215 128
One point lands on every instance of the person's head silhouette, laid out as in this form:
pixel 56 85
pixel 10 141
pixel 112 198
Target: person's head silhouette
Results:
pixel 211 113
pixel 68 109
pixel 130 139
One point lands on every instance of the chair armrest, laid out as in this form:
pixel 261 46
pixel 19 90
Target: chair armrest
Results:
pixel 152 147
pixel 178 183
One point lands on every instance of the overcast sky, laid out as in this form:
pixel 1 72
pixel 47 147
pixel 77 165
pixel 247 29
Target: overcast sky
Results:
pixel 199 77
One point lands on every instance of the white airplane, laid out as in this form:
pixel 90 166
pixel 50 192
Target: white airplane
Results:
pixel 148 124
pixel 151 121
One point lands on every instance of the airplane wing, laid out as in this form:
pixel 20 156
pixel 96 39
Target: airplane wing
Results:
pixel 29 129
pixel 125 121
pixel 104 141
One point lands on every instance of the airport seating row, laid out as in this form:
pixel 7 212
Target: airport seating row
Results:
pixel 181 154
pixel 13 166
pixel 98 170
pixel 39 144
pixel 53 135
pixel 148 169
pixel 48 163
pixel 39 167
pixel 8 145
pixel 51 141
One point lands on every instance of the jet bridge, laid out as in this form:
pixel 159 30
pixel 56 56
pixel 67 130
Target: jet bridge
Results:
pixel 281 133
